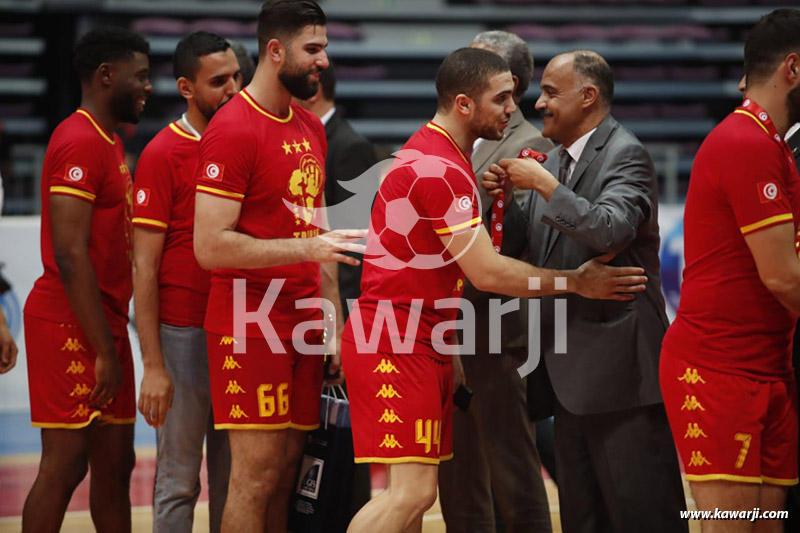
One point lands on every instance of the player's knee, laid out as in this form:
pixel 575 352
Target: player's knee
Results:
pixel 417 499
pixel 65 475
pixel 254 483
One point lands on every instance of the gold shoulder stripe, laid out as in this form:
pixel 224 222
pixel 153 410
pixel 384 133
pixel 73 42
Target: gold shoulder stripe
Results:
pixel 96 126
pixel 786 217
pixel 249 100
pixel 149 222
pixel 453 229
pixel 749 114
pixel 60 189
pixel 219 192
pixel 174 127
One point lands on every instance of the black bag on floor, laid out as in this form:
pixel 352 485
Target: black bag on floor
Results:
pixel 321 502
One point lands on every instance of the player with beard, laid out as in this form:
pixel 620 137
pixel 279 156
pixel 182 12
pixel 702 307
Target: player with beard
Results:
pixel 171 292
pixel 726 372
pixel 80 369
pixel 402 401
pixel 260 153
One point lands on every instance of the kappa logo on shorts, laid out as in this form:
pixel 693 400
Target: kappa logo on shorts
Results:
pixel 698 459
pixel 213 171
pixel 143 197
pixel 389 417
pixel 390 442
pixel 693 431
pixel 691 404
pixel 234 388
pixel 227 341
pixel 230 363
pixel 80 389
pixel 386 367
pixel 72 344
pixel 75 173
pixel 81 412
pixel 75 367
pixel 387 391
pixel 459 285
pixel 691 376
pixel 768 191
pixel 237 412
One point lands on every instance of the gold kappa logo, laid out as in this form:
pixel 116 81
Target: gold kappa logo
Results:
pixel 698 459
pixel 693 431
pixel 75 367
pixel 227 341
pixel 389 417
pixel 387 391
pixel 691 404
pixel 390 442
pixel 386 367
pixel 304 186
pixel 236 412
pixel 73 344
pixel 81 412
pixel 80 390
pixel 230 363
pixel 691 376
pixel 234 387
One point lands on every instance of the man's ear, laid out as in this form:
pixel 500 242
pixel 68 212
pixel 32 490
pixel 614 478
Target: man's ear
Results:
pixel 792 64
pixel 105 72
pixel 516 84
pixel 275 50
pixel 185 88
pixel 463 104
pixel 590 96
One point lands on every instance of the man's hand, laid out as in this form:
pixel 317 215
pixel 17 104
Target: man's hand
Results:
pixel 108 380
pixel 155 395
pixel 329 246
pixel 594 279
pixel 8 348
pixel 496 182
pixel 529 174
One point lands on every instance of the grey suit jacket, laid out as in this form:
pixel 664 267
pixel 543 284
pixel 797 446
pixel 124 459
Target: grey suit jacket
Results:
pixel 610 205
pixel 519 134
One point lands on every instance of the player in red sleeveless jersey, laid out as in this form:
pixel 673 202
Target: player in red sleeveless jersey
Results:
pixel 260 179
pixel 79 359
pixel 171 292
pixel 726 373
pixel 400 377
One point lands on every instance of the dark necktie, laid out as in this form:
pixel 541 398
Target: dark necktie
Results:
pixel 563 166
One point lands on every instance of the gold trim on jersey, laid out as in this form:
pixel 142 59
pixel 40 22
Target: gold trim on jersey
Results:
pixel 249 100
pixel 96 126
pixel 70 191
pixel 177 129
pixel 441 130
pixel 786 217
pixel 149 222
pixel 220 192
pixel 749 114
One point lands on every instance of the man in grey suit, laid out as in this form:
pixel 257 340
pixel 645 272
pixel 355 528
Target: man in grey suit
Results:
pixel 617 466
pixel 494 442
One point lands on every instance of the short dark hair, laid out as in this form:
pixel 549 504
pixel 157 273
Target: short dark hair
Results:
pixel 283 19
pixel 775 35
pixel 327 80
pixel 186 61
pixel 594 68
pixel 105 45
pixel 466 71
pixel 246 64
pixel 514 50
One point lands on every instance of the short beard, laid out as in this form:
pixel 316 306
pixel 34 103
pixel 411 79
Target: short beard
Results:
pixel 208 111
pixel 298 85
pixel 793 105
pixel 124 108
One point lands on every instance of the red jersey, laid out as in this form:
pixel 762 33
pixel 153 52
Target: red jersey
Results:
pixel 164 200
pixel 264 161
pixel 427 194
pixel 86 162
pixel 743 180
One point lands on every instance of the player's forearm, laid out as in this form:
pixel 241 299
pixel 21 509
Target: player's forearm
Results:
pixel 786 288
pixel 516 278
pixel 232 249
pixel 329 289
pixel 83 293
pixel 146 301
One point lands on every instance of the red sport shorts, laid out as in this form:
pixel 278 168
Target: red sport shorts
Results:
pixel 731 427
pixel 61 377
pixel 401 407
pixel 260 389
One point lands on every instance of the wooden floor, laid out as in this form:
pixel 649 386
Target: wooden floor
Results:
pixel 80 522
